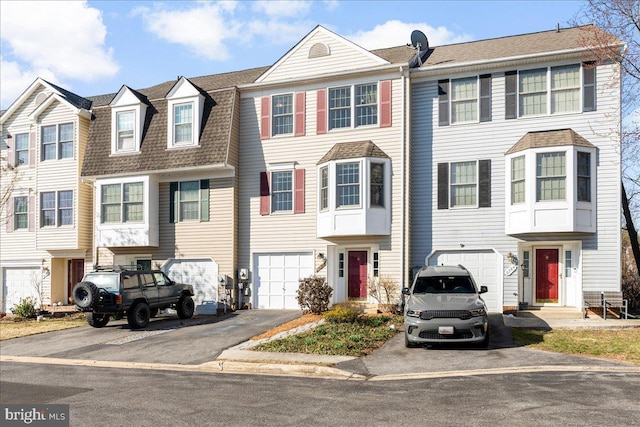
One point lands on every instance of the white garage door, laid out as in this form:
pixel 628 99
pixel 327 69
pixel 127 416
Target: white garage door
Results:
pixel 18 283
pixel 278 276
pixel 483 265
pixel 203 275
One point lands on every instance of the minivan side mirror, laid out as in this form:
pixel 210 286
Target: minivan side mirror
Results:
pixel 483 289
pixel 405 291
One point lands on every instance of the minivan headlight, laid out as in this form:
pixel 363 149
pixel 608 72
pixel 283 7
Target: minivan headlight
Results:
pixel 413 313
pixel 478 312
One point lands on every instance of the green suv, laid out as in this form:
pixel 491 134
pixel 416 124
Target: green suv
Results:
pixel 138 294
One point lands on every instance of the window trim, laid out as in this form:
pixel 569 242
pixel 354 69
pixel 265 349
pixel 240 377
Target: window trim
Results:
pixel 275 192
pixel 275 116
pixel 381 185
pixel 174 123
pixel 522 180
pixel 121 203
pixel 338 185
pixel 175 211
pixel 324 188
pixel 19 214
pixel 17 151
pixel 57 143
pixel 452 185
pixel 352 118
pixel 513 93
pixel 133 131
pixel 539 199
pixel 57 209
pixel 587 177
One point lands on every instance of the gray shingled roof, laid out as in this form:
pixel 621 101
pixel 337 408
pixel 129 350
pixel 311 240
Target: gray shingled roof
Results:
pixel 75 100
pixel 549 138
pixel 353 150
pixel 220 96
pixel 503 47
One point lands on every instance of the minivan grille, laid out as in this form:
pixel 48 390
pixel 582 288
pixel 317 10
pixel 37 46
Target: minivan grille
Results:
pixel 445 314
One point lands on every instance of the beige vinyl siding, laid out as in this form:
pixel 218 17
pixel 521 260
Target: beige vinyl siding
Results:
pixel 195 239
pixel 344 56
pixel 297 232
pixel 485 227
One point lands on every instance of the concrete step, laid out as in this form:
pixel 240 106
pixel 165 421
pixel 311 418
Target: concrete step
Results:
pixel 545 312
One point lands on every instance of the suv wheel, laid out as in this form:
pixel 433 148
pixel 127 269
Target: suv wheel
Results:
pixel 138 316
pixel 85 294
pixel 97 320
pixel 408 343
pixel 185 307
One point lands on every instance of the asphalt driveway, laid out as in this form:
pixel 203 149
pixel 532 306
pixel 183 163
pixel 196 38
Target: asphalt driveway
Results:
pixel 167 339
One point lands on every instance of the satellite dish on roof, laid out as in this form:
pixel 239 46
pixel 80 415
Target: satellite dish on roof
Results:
pixel 419 40
pixel 421 44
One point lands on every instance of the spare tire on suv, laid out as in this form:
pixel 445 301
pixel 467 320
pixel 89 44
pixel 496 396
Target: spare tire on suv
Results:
pixel 85 294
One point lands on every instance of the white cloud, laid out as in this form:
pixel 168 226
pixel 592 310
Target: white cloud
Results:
pixel 59 41
pixel 201 29
pixel 279 9
pixel 278 32
pixel 397 33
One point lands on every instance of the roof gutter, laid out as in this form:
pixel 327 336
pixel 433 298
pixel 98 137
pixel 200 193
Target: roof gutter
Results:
pixel 436 70
pixel 225 169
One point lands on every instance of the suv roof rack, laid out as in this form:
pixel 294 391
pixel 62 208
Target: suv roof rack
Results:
pixel 118 267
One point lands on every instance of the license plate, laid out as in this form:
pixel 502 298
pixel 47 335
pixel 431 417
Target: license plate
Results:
pixel 445 330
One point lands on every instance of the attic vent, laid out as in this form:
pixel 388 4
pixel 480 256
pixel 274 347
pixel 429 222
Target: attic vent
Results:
pixel 319 50
pixel 41 97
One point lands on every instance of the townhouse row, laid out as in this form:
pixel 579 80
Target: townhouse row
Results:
pixel 500 155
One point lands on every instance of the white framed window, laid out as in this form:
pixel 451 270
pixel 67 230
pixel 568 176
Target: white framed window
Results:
pixel 376 264
pixel 57 141
pixel 324 188
pixel 517 180
pixel 526 261
pixel 282 114
pixel 22 149
pixel 551 176
pixel 347 184
pixel 125 131
pixel 464 100
pixel 550 90
pixel 353 104
pixel 21 212
pixel 341 264
pixel 189 200
pixel 183 123
pixel 568 264
pixel 282 191
pixel 122 202
pixel 464 184
pixel 56 208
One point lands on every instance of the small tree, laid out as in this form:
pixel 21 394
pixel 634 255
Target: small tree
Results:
pixel 385 290
pixel 314 294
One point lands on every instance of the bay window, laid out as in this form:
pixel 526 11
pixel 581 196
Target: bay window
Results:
pixel 550 176
pixel 348 184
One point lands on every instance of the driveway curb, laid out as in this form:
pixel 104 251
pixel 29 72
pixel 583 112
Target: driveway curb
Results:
pixel 310 371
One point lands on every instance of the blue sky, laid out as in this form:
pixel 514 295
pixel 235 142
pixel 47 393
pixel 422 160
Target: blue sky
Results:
pixel 94 47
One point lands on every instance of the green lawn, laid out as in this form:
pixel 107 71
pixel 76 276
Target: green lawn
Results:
pixel 622 345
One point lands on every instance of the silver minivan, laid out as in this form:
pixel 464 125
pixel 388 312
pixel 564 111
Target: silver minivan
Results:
pixel 444 305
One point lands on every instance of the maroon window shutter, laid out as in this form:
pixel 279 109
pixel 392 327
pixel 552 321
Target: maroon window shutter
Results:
pixel 32 150
pixel 300 114
pixel 265 118
pixel 321 113
pixel 385 103
pixel 32 213
pixel 264 193
pixel 11 151
pixel 298 200
pixel 9 219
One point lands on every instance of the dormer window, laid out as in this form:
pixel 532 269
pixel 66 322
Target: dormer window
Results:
pixel 183 123
pixel 185 105
pixel 128 110
pixel 126 131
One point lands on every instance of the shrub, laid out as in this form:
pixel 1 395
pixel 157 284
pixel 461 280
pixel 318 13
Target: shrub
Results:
pixel 314 295
pixel 344 313
pixel 386 291
pixel 25 308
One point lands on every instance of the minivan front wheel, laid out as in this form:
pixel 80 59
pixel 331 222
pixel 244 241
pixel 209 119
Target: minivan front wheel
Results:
pixel 138 316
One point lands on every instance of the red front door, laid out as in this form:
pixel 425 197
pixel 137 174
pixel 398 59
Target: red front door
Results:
pixel 357 274
pixel 546 275
pixel 76 273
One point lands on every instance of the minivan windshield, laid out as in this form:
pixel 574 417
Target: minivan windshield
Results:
pixel 108 281
pixel 444 285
